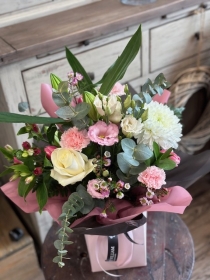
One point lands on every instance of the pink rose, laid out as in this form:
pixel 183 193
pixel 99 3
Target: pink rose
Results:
pixel 75 139
pixel 173 156
pixel 162 98
pixel 48 150
pixel 97 189
pixel 103 134
pixel 152 177
pixel 118 90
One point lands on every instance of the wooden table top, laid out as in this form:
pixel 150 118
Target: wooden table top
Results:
pixel 38 36
pixel 170 254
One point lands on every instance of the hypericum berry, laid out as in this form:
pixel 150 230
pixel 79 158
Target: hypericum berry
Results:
pixel 37 171
pixel 35 128
pixel 26 145
pixel 30 152
pixel 37 151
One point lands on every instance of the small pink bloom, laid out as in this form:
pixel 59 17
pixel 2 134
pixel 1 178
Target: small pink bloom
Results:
pixel 94 189
pixel 48 150
pixel 75 139
pixel 37 151
pixel 79 76
pixel 74 81
pixel 143 201
pixel 17 161
pixel 118 89
pixel 162 98
pixel 26 145
pixel 103 215
pixel 152 177
pixel 107 162
pixel 70 74
pixel 37 171
pixel 103 134
pixel 173 156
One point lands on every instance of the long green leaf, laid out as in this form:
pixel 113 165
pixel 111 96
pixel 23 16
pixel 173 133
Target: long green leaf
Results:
pixel 117 71
pixel 77 67
pixel 6 117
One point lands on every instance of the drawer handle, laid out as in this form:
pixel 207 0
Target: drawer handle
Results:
pixel 86 42
pixel 16 234
pixel 197 36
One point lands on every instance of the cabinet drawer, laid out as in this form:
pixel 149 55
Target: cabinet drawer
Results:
pixel 176 41
pixel 95 61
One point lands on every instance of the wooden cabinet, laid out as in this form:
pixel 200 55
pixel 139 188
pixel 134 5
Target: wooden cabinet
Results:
pixel 18 259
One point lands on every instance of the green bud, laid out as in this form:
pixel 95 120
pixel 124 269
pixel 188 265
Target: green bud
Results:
pixel 105 173
pixel 133 104
pixel 8 148
pixel 126 89
pixel 127 102
pixel 29 179
pixel 89 98
pixel 25 154
pixel 14 177
pixel 24 174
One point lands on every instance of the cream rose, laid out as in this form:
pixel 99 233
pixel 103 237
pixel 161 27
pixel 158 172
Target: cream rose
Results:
pixel 70 166
pixel 131 126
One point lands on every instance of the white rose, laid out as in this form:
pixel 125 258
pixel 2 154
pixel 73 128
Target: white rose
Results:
pixel 70 166
pixel 131 126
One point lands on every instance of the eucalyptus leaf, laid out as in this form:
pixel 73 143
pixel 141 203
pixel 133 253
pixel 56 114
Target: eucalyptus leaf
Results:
pixel 59 245
pixel 66 113
pixel 87 199
pixel 142 152
pixel 122 163
pixel 81 109
pixel 128 145
pixel 63 87
pixel 57 259
pixel 130 159
pixel 134 170
pixel 23 106
pixel 59 100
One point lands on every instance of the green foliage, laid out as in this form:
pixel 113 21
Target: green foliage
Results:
pixel 77 67
pixel 76 113
pixel 89 99
pixel 41 195
pixel 55 81
pixel 118 69
pixel 73 205
pixel 6 117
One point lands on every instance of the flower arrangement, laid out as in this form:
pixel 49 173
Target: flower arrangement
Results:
pixel 102 154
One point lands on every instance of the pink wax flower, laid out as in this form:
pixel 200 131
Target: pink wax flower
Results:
pixel 37 171
pixel 17 161
pixel 103 134
pixel 26 145
pixel 118 90
pixel 152 177
pixel 97 190
pixel 173 156
pixel 48 150
pixel 75 139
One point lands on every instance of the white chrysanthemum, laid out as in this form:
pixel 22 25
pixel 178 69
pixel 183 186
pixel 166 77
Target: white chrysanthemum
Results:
pixel 161 126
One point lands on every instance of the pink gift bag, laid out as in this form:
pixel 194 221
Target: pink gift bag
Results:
pixel 103 255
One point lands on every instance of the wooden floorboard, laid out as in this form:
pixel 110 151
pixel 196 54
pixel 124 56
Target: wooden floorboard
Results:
pixel 197 218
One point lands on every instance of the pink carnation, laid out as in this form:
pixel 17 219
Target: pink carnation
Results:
pixel 75 139
pixel 118 89
pixel 153 177
pixel 95 189
pixel 103 134
pixel 173 156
